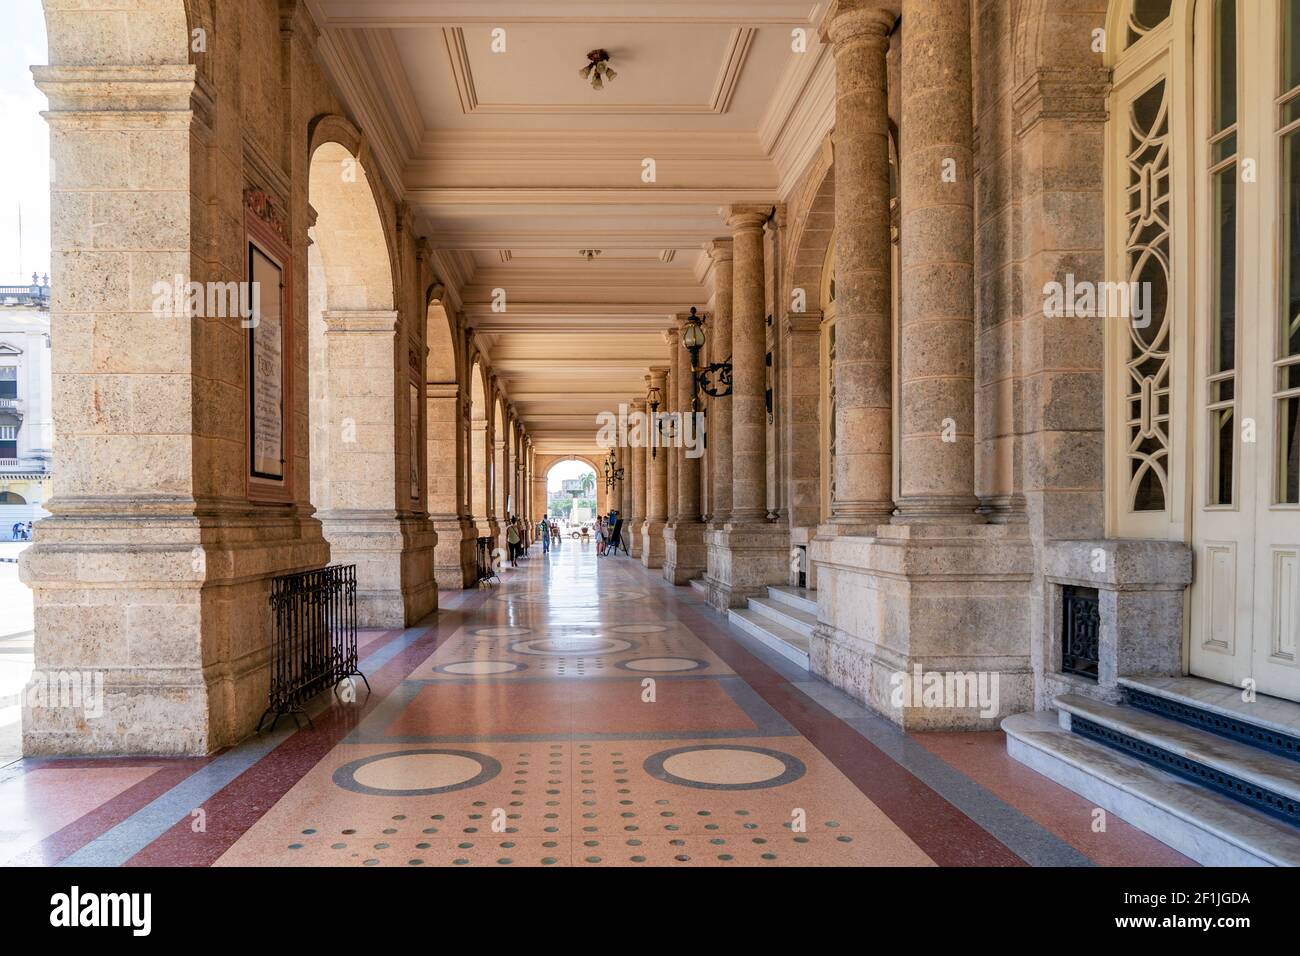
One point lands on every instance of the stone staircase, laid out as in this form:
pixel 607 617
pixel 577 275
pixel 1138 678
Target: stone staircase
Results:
pixel 1182 758
pixel 784 621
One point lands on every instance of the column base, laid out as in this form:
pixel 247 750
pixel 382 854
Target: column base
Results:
pixel 743 560
pixel 652 543
pixel 949 509
pixel 684 555
pixel 455 558
pixel 154 629
pixel 634 536
pixel 394 556
pixel 928 624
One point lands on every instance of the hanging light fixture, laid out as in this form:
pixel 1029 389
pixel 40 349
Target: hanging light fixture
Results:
pixel 654 399
pixel 713 379
pixel 613 472
pixel 598 70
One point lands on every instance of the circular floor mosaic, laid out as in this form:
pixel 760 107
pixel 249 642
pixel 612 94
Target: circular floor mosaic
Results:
pixel 580 599
pixel 503 631
pixel 662 665
pixel 569 646
pixel 725 767
pixel 480 668
pixel 416 773
pixel 639 628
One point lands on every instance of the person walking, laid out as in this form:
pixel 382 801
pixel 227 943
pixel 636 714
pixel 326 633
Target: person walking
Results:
pixel 512 541
pixel 544 532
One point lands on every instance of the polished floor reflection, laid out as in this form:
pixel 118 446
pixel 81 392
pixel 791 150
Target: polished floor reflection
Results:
pixel 581 713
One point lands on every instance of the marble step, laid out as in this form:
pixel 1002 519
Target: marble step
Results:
pixel 1267 722
pixel 790 644
pixel 800 599
pixel 801 622
pixel 1238 760
pixel 1198 822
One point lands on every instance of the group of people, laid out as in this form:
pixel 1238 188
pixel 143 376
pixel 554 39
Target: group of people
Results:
pixel 21 531
pixel 548 531
pixel 609 533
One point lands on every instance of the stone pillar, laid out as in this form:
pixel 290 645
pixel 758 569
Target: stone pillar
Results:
pixel 358 513
pixel 454 556
pixel 671 427
pixel 748 366
pixel 859 37
pixel 937 245
pixel 747 553
pixel 636 484
pixel 652 531
pixel 684 538
pixel 482 474
pixel 152 575
pixel 718 336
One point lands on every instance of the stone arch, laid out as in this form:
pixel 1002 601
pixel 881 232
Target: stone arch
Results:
pixel 499 440
pixel 480 450
pixel 545 464
pixel 349 235
pixel 444 437
pixel 811 232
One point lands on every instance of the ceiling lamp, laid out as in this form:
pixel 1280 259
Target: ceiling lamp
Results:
pixel 588 254
pixel 598 70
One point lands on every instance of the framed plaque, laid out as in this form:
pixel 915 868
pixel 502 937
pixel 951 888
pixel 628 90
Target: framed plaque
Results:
pixel 268 332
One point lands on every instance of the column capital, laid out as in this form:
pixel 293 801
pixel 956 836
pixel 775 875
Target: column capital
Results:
pixel 719 250
pixel 670 336
pixel 850 21
pixel 743 216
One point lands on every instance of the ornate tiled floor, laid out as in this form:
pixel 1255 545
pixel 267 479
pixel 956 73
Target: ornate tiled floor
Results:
pixel 583 713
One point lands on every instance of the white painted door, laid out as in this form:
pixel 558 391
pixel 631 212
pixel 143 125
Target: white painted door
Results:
pixel 1245 614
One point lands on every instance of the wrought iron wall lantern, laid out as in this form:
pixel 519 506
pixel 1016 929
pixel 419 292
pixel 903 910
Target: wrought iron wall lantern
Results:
pixel 713 379
pixel 613 472
pixel 654 399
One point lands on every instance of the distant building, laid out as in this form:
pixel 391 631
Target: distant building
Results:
pixel 26 412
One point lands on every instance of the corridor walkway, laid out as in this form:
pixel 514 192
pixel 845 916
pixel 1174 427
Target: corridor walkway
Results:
pixel 583 712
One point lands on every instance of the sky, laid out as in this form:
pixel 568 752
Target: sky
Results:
pixel 25 160
pixel 563 470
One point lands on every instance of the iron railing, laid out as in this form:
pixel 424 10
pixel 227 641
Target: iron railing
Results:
pixel 315 643
pixel 486 567
pixel 1080 631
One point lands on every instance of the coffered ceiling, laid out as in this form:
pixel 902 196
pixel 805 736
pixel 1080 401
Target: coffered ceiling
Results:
pixel 514 165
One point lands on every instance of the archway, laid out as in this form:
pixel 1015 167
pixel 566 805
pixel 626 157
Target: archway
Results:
pixel 573 487
pixel 447 450
pixel 499 482
pixel 365 481
pixel 480 497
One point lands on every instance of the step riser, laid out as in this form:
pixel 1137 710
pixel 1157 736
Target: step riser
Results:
pixel 792 654
pixel 792 600
pixel 1204 847
pixel 1272 741
pixel 1276 805
pixel 775 615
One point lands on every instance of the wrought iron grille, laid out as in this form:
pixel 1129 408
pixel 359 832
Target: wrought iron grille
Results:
pixel 1080 630
pixel 315 642
pixel 486 568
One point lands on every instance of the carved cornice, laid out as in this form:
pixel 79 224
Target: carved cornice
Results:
pixel 1073 93
pixel 268 209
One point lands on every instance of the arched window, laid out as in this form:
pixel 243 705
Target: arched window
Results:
pixel 11 498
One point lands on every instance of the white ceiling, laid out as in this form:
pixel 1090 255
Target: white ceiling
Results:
pixel 514 164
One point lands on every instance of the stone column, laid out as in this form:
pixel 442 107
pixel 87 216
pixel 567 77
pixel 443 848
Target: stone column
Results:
pixel 357 510
pixel 482 473
pixel 684 539
pixel 748 366
pixel 859 37
pixel 672 408
pixel 652 550
pixel 937 245
pixel 454 556
pixel 718 335
pixel 636 484
pixel 747 553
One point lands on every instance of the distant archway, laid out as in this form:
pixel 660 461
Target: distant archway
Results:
pixel 566 500
pixel 480 486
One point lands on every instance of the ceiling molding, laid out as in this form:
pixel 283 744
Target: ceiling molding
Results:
pixel 426 13
pixel 724 86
